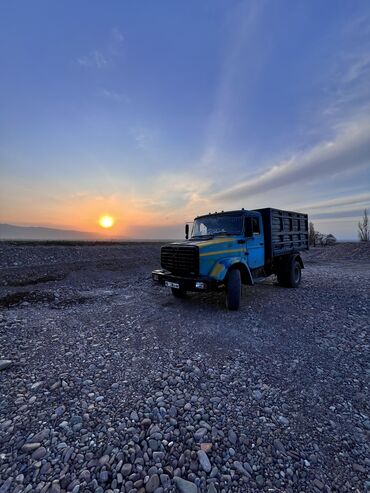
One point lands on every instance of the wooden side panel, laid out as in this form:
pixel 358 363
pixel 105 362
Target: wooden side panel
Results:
pixel 285 232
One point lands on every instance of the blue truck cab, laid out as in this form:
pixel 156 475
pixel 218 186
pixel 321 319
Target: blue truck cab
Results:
pixel 228 249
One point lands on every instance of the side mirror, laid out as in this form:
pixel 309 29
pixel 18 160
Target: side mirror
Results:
pixel 186 231
pixel 248 227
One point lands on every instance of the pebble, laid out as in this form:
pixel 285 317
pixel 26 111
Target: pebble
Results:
pixel 260 480
pixel 39 453
pixel 152 483
pixel 204 461
pixel 232 437
pixel 29 447
pixel 185 486
pixel 240 468
pixel 5 363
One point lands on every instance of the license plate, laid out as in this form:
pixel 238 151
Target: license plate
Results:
pixel 170 284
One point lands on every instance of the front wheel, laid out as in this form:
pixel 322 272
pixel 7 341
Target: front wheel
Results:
pixel 233 290
pixel 178 293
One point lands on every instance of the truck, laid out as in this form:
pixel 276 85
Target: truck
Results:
pixel 229 249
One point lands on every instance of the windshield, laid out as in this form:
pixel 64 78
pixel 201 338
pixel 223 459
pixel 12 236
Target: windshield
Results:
pixel 219 224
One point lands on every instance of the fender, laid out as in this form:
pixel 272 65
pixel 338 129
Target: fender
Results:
pixel 285 264
pixel 298 258
pixel 223 265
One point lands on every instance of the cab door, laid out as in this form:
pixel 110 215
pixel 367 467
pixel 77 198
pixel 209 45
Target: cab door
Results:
pixel 255 241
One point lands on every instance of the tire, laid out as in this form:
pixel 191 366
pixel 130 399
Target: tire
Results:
pixel 233 290
pixel 292 277
pixel 282 279
pixel 178 293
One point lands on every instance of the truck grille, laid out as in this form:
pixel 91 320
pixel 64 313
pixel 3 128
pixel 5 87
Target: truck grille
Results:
pixel 180 259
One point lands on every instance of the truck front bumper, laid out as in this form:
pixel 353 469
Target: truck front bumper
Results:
pixel 199 283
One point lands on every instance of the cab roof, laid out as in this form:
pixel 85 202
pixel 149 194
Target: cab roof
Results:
pixel 240 212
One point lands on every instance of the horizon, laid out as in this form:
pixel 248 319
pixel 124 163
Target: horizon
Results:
pixel 101 237
pixel 153 116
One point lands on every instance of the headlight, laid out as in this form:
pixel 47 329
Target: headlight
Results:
pixel 201 285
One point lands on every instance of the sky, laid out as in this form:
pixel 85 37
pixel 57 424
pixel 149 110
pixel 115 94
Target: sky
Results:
pixel 155 112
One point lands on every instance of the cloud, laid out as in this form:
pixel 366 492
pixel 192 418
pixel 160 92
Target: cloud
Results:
pixel 146 138
pixel 350 213
pixel 103 57
pixel 359 67
pixel 119 97
pixel 177 196
pixel 94 59
pixel 348 151
pixel 244 21
pixel 117 36
pixel 359 199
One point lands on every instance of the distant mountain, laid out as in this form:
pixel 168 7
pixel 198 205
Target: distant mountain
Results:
pixel 10 232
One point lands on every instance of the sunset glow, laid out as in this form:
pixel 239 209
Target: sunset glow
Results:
pixel 106 222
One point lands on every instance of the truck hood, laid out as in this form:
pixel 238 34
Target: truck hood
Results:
pixel 216 246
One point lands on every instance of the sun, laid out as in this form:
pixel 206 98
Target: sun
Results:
pixel 106 222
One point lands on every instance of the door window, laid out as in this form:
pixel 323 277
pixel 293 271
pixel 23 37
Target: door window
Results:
pixel 255 226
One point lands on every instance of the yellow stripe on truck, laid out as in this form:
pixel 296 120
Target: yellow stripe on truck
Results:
pixel 221 251
pixel 213 242
pixel 217 269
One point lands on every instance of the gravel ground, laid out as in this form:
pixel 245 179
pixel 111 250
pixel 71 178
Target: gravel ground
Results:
pixel 116 386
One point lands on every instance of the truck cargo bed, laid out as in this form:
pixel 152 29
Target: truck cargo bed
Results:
pixel 285 232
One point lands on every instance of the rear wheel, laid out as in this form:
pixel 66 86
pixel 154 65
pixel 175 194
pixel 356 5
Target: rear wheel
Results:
pixel 178 293
pixel 292 277
pixel 233 290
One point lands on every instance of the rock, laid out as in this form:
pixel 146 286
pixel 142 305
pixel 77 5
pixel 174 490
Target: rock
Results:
pixel 211 488
pixel 59 411
pixel 278 445
pixel 204 461
pixel 232 437
pixel 5 363
pixel 260 480
pixel 55 488
pixel 318 484
pixel 199 434
pixel 283 420
pixel 257 394
pixel 152 484
pixel 126 469
pixel 184 486
pixel 36 385
pixel 248 467
pixel 40 436
pixel 146 422
pixel 359 468
pixel 104 460
pixel 165 481
pixel 158 456
pixel 39 453
pixel 6 485
pixel 367 424
pixel 238 466
pixel 104 476
pixel 29 447
pixel 206 447
pixel 75 420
